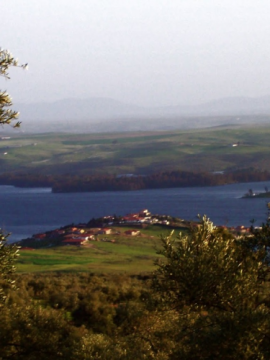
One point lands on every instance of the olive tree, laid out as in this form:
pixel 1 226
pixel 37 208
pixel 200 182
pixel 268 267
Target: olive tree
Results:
pixel 8 253
pixel 8 256
pixel 7 116
pixel 215 287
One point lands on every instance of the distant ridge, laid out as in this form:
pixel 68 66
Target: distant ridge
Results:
pixel 81 109
pixel 106 108
pixel 105 114
pixel 236 106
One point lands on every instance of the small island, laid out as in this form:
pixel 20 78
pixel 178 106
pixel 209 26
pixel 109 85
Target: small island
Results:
pixel 252 195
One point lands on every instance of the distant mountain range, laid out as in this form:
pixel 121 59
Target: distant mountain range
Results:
pixel 104 114
pixel 235 106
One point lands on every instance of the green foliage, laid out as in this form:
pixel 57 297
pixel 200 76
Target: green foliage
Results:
pixel 8 255
pixel 7 115
pixel 74 316
pixel 215 287
pixel 34 333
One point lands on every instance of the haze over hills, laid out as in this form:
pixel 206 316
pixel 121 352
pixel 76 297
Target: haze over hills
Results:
pixel 235 106
pixel 104 114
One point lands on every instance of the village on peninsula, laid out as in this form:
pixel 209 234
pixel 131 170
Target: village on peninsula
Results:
pixel 109 228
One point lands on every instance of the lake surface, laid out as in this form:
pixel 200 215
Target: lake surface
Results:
pixel 24 212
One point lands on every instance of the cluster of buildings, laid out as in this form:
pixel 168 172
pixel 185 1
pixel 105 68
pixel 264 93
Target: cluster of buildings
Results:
pixel 83 234
pixel 98 229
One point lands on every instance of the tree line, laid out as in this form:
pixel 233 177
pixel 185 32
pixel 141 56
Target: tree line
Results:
pixel 159 180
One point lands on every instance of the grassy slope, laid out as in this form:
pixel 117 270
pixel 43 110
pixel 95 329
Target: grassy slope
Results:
pixel 197 150
pixel 128 254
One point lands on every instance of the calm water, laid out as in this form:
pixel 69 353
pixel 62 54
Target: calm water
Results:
pixel 24 212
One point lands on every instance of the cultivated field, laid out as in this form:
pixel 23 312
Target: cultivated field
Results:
pixel 139 153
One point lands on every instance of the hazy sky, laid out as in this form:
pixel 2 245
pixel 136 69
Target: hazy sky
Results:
pixel 145 52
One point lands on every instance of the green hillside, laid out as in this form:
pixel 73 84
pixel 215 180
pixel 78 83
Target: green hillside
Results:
pixel 129 254
pixel 140 153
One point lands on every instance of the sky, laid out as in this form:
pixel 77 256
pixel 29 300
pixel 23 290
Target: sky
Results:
pixel 143 52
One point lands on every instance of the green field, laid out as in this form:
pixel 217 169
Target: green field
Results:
pixel 131 255
pixel 139 153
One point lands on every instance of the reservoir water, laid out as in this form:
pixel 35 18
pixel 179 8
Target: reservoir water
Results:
pixel 24 211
